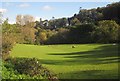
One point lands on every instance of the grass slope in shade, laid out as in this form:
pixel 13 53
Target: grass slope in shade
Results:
pixel 85 61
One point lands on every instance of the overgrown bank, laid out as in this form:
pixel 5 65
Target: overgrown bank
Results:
pixel 26 68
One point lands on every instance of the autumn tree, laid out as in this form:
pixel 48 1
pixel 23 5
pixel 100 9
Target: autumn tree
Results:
pixel 26 24
pixel 28 34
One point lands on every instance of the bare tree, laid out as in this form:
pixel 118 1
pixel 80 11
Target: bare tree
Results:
pixel 24 19
pixel 19 19
pixel 28 19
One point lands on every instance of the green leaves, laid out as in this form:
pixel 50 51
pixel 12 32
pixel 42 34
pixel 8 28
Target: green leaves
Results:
pixel 24 68
pixel 106 31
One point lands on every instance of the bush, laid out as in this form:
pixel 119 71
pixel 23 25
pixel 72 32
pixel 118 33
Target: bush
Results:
pixel 25 68
pixel 28 66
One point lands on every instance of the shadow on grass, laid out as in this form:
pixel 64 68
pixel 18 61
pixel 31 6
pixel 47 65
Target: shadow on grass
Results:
pixel 90 74
pixel 100 55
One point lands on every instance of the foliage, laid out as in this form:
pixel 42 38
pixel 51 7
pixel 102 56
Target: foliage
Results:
pixel 26 24
pixel 106 32
pixel 43 37
pixel 81 33
pixel 75 21
pixel 111 12
pixel 87 16
pixel 9 35
pixel 0 41
pixel 60 22
pixel 58 38
pixel 28 34
pixel 24 68
pixel 9 73
pixel 84 27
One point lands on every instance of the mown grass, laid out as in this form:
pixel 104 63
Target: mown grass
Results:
pixel 85 61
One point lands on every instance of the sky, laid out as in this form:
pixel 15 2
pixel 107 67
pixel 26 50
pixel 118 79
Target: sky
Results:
pixel 45 10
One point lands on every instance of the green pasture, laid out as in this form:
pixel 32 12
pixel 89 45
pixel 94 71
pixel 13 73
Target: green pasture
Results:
pixel 84 61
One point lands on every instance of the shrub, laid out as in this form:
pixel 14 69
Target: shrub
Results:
pixel 28 68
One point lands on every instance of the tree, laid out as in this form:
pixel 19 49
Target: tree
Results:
pixel 60 22
pixel 1 15
pixel 9 37
pixel 28 34
pixel 75 21
pixel 59 36
pixel 28 19
pixel 81 33
pixel 19 20
pixel 0 41
pixel 111 12
pixel 43 37
pixel 106 31
pixel 24 19
pixel 27 30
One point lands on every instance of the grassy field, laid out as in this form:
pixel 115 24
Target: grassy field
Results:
pixel 85 61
